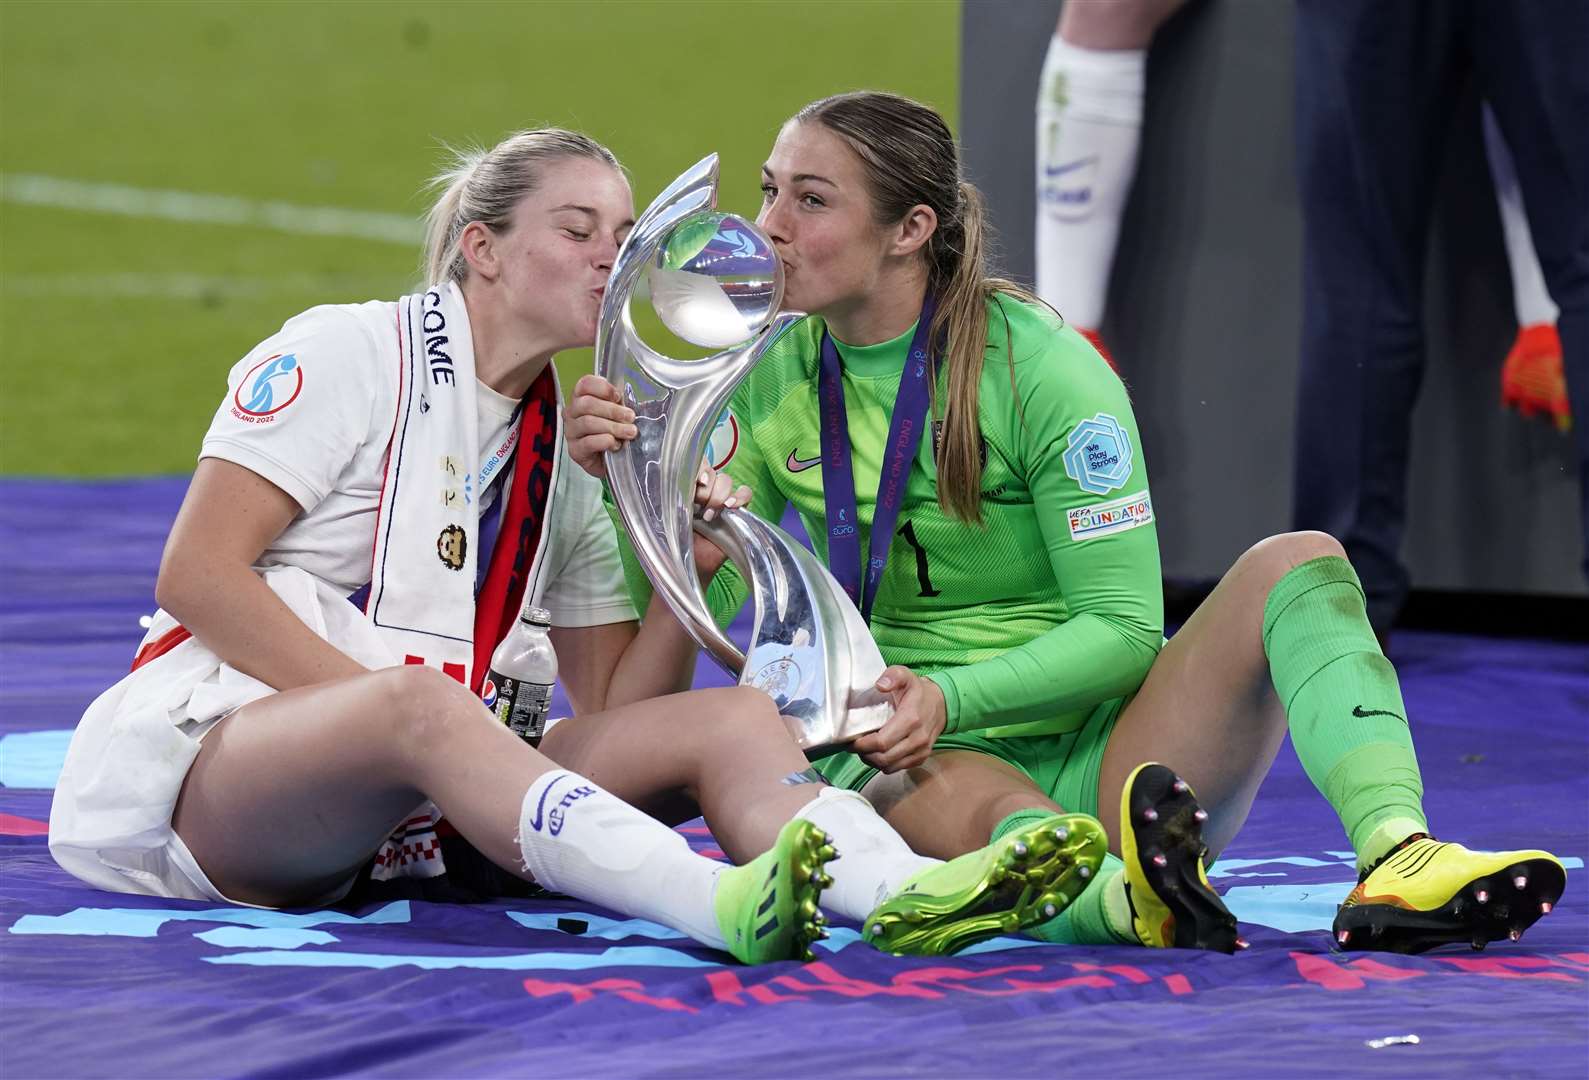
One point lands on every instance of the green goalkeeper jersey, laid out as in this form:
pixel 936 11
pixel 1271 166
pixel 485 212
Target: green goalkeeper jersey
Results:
pixel 1051 606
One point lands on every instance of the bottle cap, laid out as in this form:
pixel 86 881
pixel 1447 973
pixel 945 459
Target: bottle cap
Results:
pixel 536 616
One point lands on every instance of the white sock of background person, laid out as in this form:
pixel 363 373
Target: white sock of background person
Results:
pixel 1089 125
pixel 1529 295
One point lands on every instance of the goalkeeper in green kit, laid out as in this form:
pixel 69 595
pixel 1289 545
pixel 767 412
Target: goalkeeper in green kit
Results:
pixel 971 470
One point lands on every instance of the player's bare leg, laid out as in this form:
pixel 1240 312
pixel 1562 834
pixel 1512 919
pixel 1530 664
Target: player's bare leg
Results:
pixel 290 794
pixel 728 752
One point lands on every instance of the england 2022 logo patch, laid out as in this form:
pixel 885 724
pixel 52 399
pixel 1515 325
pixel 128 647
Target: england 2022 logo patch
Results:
pixel 269 387
pixel 1098 455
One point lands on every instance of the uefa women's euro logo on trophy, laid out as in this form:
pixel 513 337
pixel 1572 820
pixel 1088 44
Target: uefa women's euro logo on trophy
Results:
pixel 715 282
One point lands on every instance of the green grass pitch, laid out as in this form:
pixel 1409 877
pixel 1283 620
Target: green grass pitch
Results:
pixel 116 332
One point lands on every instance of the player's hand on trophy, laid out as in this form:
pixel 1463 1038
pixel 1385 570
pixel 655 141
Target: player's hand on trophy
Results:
pixel 919 718
pixel 594 421
pixel 715 492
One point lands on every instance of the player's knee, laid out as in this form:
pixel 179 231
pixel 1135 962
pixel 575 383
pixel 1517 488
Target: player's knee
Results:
pixel 418 706
pixel 742 713
pixel 999 805
pixel 1273 557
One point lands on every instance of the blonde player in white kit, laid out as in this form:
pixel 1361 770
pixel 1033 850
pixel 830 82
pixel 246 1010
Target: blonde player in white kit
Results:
pixel 272 734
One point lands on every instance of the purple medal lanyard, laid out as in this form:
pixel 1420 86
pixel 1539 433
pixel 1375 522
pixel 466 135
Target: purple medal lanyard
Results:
pixel 838 474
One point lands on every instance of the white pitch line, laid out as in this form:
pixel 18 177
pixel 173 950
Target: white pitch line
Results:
pixel 205 209
pixel 189 286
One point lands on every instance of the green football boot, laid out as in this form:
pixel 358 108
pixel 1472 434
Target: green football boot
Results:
pixel 1026 878
pixel 767 909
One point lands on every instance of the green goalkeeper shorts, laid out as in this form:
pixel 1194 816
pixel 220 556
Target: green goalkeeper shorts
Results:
pixel 1064 765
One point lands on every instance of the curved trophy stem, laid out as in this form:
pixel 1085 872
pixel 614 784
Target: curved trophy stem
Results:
pixel 810 650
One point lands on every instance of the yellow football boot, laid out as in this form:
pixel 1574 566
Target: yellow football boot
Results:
pixel 1161 844
pixel 1425 894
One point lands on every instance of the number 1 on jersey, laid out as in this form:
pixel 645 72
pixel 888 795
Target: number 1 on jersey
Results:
pixel 908 531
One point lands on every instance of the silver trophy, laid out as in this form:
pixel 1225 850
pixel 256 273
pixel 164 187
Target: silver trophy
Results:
pixel 715 281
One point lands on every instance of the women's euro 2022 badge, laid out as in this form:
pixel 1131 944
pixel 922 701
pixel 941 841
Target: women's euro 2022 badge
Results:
pixel 451 546
pixel 269 387
pixel 1098 455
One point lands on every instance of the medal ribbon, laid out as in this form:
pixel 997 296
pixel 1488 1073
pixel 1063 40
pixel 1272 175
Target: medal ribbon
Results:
pixel 838 473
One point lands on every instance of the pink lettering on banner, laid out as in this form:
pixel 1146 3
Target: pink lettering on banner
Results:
pixel 728 988
pixel 1125 971
pixel 11 825
pixel 1355 974
pixel 627 989
pixel 1508 967
pixel 928 983
pixel 1024 986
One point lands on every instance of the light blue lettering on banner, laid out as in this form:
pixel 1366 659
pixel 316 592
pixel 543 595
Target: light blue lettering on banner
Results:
pixel 33 759
pixel 618 956
pixel 146 922
pixel 1289 908
pixel 1228 867
pixel 242 937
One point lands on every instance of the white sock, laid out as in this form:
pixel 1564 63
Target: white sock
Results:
pixel 583 841
pixel 1089 124
pixel 1529 295
pixel 874 861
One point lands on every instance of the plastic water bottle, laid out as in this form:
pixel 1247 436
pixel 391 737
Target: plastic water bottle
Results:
pixel 518 686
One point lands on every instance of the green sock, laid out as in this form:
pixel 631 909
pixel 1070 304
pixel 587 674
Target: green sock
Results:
pixel 1101 915
pixel 1348 721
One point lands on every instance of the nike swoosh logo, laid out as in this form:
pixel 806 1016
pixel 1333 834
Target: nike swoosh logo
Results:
pixel 540 807
pixel 795 464
pixel 1360 712
pixel 1069 166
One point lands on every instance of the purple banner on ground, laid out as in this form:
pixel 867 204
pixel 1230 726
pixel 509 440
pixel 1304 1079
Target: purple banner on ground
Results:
pixel 99 984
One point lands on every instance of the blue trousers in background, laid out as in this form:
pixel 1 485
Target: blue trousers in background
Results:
pixel 1377 81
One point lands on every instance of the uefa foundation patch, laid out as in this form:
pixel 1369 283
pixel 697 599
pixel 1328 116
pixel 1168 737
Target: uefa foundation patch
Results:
pixel 1106 519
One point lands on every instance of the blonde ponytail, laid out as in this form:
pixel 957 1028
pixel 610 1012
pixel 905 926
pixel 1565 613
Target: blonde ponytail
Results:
pixel 444 224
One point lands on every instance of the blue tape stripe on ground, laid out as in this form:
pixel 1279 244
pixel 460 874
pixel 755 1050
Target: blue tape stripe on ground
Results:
pixel 596 926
